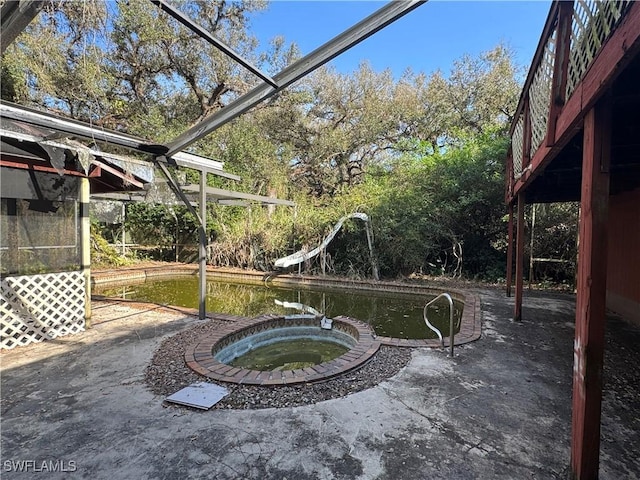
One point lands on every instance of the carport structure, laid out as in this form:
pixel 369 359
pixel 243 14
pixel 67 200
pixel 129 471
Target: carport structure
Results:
pixel 575 137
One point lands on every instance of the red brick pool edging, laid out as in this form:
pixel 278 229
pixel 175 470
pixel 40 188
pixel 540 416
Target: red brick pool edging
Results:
pixel 470 328
pixel 470 324
pixel 200 356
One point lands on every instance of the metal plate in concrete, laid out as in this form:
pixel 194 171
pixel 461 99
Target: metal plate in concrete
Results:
pixel 199 395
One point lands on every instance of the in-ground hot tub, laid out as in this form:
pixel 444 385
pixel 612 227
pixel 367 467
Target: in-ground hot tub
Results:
pixel 218 355
pixel 297 345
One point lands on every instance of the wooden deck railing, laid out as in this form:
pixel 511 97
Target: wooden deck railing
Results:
pixel 573 36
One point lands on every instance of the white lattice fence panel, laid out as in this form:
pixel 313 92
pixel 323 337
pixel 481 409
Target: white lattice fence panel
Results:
pixel 517 140
pixel 540 95
pixel 34 308
pixel 592 23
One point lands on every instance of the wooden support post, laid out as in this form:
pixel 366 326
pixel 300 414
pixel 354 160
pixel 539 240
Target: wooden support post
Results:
pixel 531 237
pixel 85 246
pixel 588 349
pixel 510 251
pixel 517 313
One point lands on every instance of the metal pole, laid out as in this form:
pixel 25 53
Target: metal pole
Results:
pixel 76 128
pixel 202 276
pixel 124 238
pixel 206 35
pixel 386 15
pixel 15 16
pixel 451 328
pixel 201 223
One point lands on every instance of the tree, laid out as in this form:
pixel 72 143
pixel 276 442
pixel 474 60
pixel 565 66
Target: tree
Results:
pixel 421 154
pixel 160 63
pixel 479 94
pixel 442 212
pixel 59 67
pixel 129 66
pixel 336 125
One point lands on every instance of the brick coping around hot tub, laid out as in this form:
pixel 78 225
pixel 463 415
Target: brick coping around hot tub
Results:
pixel 200 355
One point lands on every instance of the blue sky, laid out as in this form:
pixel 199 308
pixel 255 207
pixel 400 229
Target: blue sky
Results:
pixel 428 38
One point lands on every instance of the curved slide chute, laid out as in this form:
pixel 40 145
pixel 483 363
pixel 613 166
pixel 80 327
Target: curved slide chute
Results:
pixel 303 255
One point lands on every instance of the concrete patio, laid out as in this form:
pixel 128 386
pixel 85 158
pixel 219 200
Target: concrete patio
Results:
pixel 500 409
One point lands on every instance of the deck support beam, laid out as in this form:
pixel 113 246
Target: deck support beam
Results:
pixel 517 312
pixel 591 297
pixel 509 277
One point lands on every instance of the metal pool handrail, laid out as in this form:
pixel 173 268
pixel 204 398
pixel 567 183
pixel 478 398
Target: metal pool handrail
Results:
pixel 451 333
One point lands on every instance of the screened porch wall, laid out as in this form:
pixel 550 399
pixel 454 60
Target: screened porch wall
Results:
pixel 42 285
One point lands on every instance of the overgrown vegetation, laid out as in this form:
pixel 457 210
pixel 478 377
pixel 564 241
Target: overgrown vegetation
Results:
pixel 422 154
pixel 103 254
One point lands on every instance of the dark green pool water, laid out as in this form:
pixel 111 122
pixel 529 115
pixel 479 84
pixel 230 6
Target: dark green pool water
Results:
pixel 390 314
pixel 289 355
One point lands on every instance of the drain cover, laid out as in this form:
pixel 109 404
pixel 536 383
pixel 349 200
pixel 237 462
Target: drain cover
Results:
pixel 199 395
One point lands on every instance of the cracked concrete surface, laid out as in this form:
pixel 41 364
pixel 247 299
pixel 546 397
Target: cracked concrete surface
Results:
pixel 500 409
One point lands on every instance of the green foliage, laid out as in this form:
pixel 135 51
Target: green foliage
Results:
pixel 422 155
pixel 442 206
pixel 128 66
pixel 554 237
pixel 155 224
pixel 103 254
pixel 12 80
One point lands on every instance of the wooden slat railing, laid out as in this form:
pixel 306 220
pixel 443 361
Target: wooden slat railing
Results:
pixel 574 34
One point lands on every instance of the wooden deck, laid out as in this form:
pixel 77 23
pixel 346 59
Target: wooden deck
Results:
pixel 587 50
pixel 576 137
